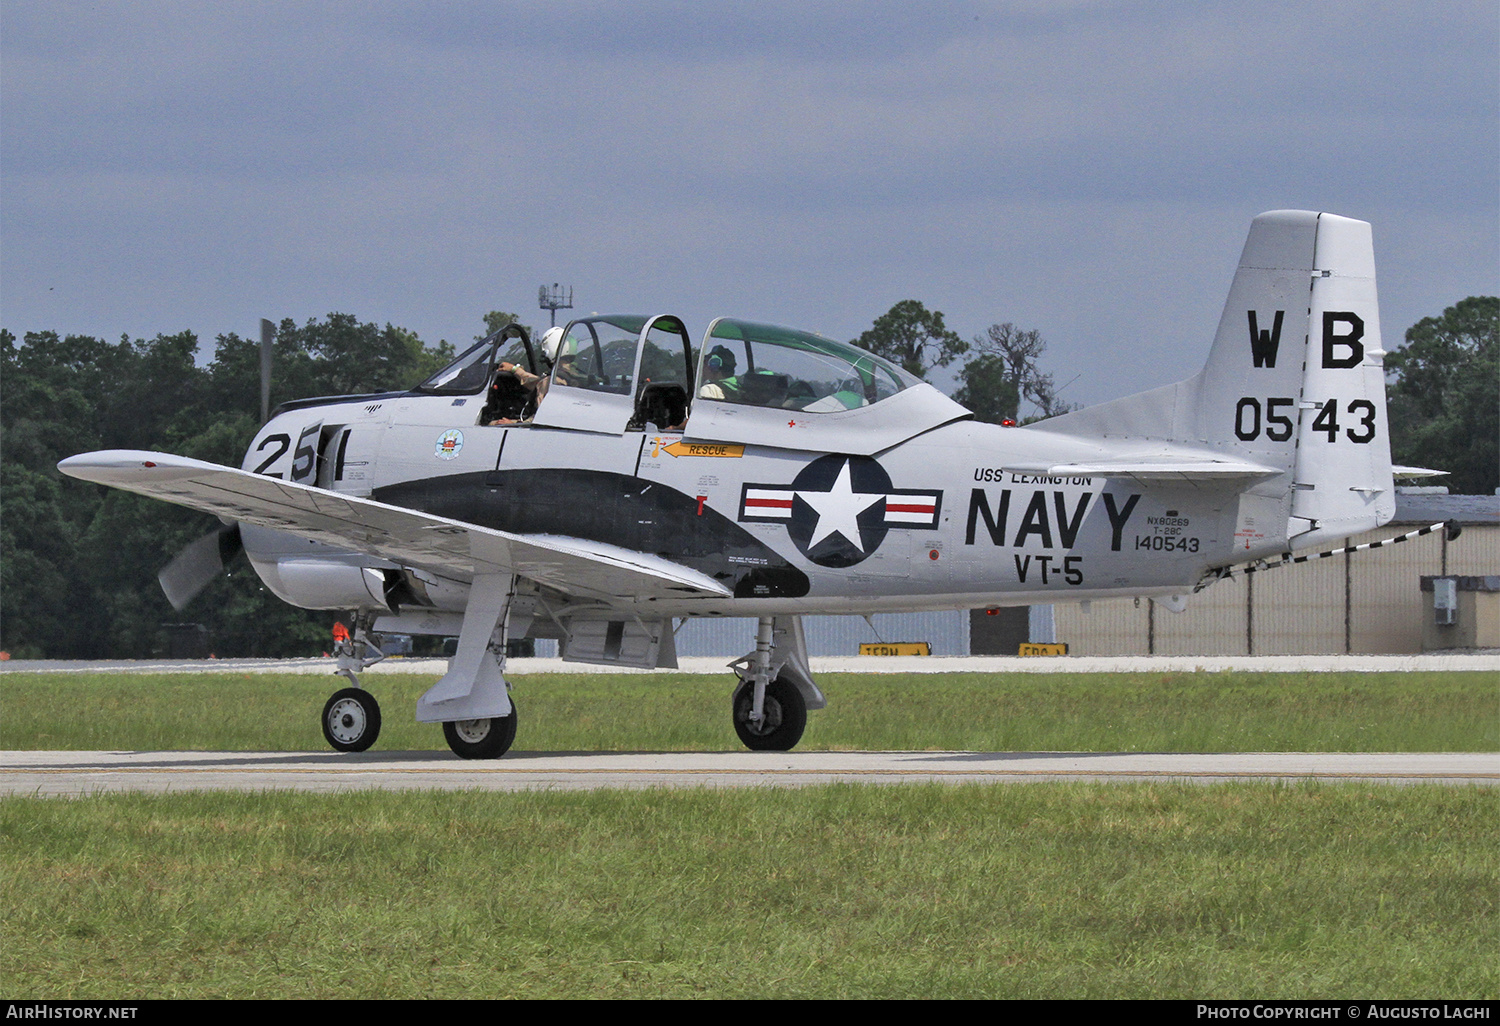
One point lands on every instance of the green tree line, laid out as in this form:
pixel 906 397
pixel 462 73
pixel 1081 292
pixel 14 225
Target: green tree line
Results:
pixel 78 562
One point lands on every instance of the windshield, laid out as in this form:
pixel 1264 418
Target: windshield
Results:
pixel 471 371
pixel 764 365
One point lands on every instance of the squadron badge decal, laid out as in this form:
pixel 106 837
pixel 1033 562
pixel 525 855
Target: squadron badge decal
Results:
pixel 838 509
pixel 449 444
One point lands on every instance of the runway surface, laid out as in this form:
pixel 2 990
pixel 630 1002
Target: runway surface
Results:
pixel 82 773
pixel 1484 659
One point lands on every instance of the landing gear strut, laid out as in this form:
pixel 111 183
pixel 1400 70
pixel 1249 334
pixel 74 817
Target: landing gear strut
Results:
pixel 351 718
pixel 776 688
pixel 472 700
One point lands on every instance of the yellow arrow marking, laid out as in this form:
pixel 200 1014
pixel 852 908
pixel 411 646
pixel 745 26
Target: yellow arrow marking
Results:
pixel 681 448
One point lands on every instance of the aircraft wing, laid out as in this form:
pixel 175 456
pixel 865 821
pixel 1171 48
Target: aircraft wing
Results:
pixel 405 536
pixel 1157 470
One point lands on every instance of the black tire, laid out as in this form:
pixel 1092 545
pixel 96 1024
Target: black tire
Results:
pixel 482 739
pixel 785 717
pixel 351 720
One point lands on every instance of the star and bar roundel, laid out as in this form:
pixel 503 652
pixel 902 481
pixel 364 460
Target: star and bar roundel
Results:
pixel 839 508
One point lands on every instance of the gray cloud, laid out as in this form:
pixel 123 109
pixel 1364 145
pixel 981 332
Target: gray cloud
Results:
pixel 1088 169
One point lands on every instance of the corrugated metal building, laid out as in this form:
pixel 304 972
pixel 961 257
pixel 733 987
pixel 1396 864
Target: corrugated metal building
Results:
pixel 1368 602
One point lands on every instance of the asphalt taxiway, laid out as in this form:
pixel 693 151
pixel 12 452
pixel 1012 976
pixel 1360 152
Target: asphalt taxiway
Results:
pixel 83 773
pixel 79 773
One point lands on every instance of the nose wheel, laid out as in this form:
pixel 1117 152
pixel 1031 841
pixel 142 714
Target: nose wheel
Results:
pixel 351 720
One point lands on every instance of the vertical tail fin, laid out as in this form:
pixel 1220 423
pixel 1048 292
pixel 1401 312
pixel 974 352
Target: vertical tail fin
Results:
pixel 1294 382
pixel 1295 379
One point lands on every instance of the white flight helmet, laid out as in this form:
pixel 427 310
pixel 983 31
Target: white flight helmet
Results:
pixel 551 341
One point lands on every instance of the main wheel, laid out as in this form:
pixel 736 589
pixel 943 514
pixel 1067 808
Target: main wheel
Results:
pixel 482 739
pixel 785 717
pixel 351 720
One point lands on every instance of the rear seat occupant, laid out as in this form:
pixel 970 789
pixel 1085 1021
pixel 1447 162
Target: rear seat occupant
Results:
pixel 719 381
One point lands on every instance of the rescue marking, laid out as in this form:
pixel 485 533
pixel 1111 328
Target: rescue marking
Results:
pixel 680 448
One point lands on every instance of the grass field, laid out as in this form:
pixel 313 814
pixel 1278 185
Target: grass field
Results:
pixel 1178 712
pixel 1024 891
pixel 1019 891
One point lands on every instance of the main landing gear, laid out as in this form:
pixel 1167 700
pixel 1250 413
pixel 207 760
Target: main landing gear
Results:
pixel 782 720
pixel 483 738
pixel 776 688
pixel 472 700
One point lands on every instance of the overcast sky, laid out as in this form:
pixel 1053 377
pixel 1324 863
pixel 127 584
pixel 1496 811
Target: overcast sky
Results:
pixel 1088 169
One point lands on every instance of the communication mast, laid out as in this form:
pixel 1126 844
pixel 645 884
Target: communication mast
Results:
pixel 555 298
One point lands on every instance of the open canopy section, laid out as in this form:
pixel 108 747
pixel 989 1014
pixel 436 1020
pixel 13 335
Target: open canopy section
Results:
pixel 619 373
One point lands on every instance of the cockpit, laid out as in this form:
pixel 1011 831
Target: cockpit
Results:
pixel 764 365
pixel 621 373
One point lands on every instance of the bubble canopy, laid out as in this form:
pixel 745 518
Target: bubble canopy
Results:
pixel 765 365
pixel 745 381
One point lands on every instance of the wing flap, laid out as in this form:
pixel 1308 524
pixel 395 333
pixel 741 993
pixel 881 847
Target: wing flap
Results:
pixel 405 536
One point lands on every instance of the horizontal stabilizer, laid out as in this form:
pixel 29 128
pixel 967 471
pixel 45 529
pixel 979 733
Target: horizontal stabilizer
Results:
pixel 1417 472
pixel 1159 471
pixel 406 537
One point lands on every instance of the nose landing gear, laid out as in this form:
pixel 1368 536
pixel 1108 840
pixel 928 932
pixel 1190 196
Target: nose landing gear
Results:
pixel 351 718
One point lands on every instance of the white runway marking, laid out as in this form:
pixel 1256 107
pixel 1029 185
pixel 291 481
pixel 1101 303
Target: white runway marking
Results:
pixel 80 773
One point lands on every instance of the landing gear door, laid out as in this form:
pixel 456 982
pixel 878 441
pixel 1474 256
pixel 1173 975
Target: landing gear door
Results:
pixel 621 641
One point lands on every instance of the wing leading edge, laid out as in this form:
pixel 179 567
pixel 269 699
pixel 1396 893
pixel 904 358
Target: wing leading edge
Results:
pixel 405 536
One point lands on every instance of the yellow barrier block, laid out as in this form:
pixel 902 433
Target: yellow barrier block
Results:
pixel 895 648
